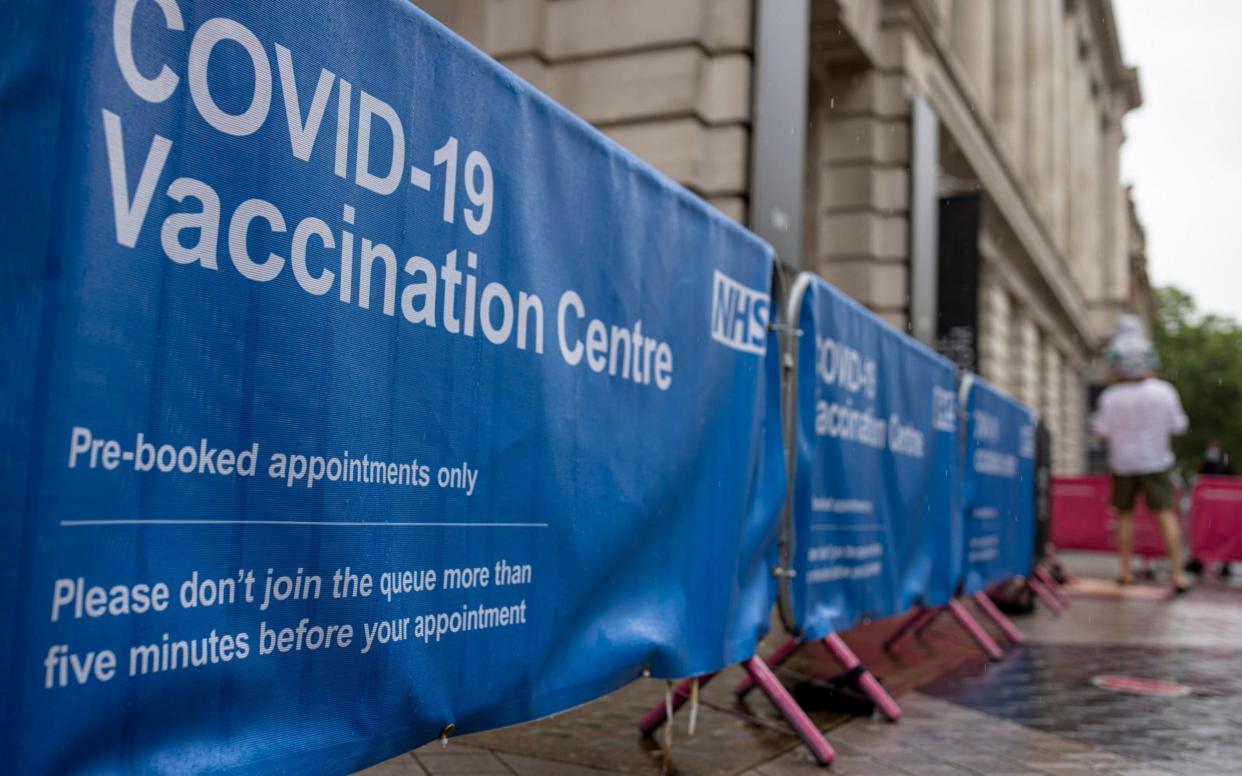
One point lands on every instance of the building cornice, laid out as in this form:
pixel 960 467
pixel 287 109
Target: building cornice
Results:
pixel 1121 78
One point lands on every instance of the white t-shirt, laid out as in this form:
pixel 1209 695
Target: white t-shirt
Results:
pixel 1137 419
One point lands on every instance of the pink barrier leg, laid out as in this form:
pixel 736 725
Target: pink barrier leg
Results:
pixel 866 680
pixel 1057 587
pixel 928 621
pixel 976 631
pixel 997 616
pixel 658 715
pixel 914 619
pixel 784 702
pixel 1046 596
pixel 1053 586
pixel 775 660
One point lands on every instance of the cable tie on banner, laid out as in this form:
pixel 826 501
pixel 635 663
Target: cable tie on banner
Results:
pixel 445 733
pixel 779 571
pixel 668 721
pixel 785 328
pixel 694 704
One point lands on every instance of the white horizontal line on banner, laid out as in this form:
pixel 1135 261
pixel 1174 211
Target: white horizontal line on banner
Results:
pixel 847 527
pixel 348 523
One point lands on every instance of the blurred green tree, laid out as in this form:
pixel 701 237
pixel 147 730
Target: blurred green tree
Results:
pixel 1202 356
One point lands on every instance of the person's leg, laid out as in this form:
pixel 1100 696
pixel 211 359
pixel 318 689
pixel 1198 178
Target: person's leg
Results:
pixel 1158 490
pixel 1171 532
pixel 1125 546
pixel 1124 493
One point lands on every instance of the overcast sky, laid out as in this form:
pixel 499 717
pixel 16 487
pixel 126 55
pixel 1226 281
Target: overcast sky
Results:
pixel 1183 151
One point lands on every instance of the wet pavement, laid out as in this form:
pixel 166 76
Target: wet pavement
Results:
pixel 1049 688
pixel 1038 711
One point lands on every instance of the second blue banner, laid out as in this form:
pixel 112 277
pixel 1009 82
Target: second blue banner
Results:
pixel 874 531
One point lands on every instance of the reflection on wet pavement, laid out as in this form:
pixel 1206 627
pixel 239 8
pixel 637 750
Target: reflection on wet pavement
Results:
pixel 1049 687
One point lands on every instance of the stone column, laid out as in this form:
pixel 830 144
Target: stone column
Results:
pixel 971 38
pixel 1075 417
pixel 1112 240
pixel 1039 68
pixel 1080 166
pixel 996 356
pixel 1053 404
pixel 1062 47
pixel 1051 178
pixel 1026 358
pixel 1121 228
pixel 944 11
pixel 859 160
pixel 1088 259
pixel 1009 83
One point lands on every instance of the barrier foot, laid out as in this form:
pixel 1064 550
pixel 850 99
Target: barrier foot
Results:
pixel 1056 586
pixel 1045 595
pixel 1052 561
pixel 774 660
pixel 975 630
pixel 914 619
pixel 997 616
pixel 1065 572
pixel 821 750
pixel 658 715
pixel 1053 586
pixel 866 680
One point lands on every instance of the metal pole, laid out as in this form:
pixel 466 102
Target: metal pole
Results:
pixel 924 219
pixel 778 129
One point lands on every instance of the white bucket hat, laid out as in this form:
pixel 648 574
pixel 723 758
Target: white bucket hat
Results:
pixel 1130 353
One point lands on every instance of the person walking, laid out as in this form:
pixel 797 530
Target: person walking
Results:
pixel 1215 460
pixel 1136 416
pixel 1216 463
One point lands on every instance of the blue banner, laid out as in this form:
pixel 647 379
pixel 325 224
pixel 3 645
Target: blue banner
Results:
pixel 998 490
pixel 876 461
pixel 351 389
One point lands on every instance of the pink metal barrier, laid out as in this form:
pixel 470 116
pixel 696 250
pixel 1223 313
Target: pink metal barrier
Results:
pixel 998 618
pixel 1054 587
pixel 865 680
pixel 760 675
pixel 1083 518
pixel 921 619
pixel 1216 519
pixel 1046 596
pixel 972 627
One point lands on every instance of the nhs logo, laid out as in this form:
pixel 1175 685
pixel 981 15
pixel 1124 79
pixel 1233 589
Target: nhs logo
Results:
pixel 944 409
pixel 1026 442
pixel 739 315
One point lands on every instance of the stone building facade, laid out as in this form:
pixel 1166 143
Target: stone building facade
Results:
pixel 1029 97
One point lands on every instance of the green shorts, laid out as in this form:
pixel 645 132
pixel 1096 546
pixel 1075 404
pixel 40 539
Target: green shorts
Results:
pixel 1157 490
